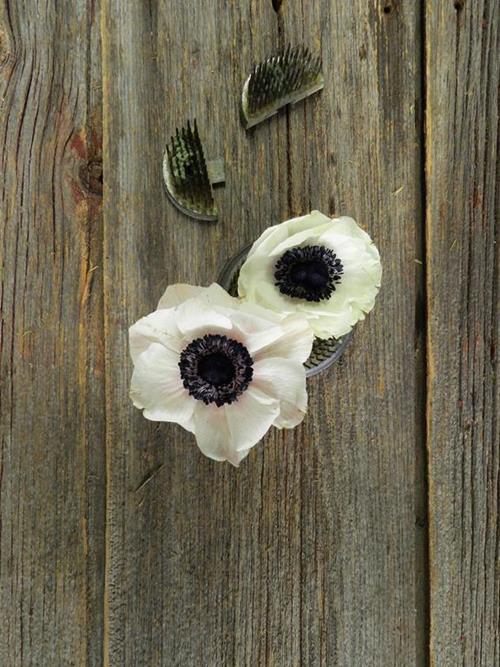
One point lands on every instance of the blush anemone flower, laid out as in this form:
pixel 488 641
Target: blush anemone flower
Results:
pixel 327 270
pixel 223 369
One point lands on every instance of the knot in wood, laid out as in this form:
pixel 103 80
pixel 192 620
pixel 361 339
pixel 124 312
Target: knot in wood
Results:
pixel 91 177
pixel 6 54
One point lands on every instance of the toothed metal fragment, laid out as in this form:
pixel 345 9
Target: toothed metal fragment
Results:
pixel 216 171
pixel 186 175
pixel 285 78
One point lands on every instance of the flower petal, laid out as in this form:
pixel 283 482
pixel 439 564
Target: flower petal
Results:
pixel 279 233
pixel 175 295
pixel 212 433
pixel 294 341
pixel 305 237
pixel 228 433
pixel 255 326
pixel 196 315
pixel 347 226
pixel 354 294
pixel 250 418
pixel 158 327
pixel 217 296
pixel 285 381
pixel 157 388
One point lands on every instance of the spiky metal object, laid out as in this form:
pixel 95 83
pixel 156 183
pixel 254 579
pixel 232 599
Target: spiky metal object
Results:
pixel 188 176
pixel 285 78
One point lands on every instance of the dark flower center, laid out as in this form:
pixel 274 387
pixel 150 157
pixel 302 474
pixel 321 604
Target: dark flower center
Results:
pixel 309 273
pixel 216 369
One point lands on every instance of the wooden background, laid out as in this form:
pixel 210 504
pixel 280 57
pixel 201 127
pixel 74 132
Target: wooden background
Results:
pixel 367 537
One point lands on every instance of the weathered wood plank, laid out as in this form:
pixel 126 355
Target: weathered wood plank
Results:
pixel 357 150
pixel 307 554
pixel 51 335
pixel 463 67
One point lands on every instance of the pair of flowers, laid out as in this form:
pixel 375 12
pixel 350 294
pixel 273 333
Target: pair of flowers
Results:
pixel 226 368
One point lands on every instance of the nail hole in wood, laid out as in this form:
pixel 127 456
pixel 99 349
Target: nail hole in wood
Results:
pixel 277 5
pixel 387 9
pixel 459 5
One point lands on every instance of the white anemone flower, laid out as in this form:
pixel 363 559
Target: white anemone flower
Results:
pixel 223 369
pixel 327 270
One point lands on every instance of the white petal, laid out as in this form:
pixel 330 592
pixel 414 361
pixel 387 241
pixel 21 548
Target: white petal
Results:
pixel 310 221
pixel 212 432
pixel 276 234
pixel 354 295
pixel 259 313
pixel 250 418
pixel 284 380
pixel 158 327
pixel 349 227
pixel 294 341
pixel 229 432
pixel 177 294
pixel 217 296
pixel 256 327
pixel 157 387
pixel 255 270
pixel 306 237
pixel 271 297
pixel 197 315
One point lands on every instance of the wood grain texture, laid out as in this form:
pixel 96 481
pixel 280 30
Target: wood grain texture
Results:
pixel 306 555
pixel 120 543
pixel 51 352
pixel 462 159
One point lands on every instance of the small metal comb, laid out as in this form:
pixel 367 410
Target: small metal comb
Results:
pixel 285 78
pixel 188 177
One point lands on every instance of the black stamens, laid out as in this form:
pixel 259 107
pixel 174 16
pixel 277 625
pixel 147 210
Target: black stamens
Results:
pixel 216 369
pixel 309 273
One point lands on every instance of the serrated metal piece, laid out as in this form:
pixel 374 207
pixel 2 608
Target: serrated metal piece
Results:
pixel 186 174
pixel 284 78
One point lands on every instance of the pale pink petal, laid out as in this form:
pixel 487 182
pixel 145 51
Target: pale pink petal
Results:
pixel 285 381
pixel 157 388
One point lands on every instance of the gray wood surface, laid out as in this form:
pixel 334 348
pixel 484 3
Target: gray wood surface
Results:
pixel 120 543
pixel 463 401
pixel 306 555
pixel 51 358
